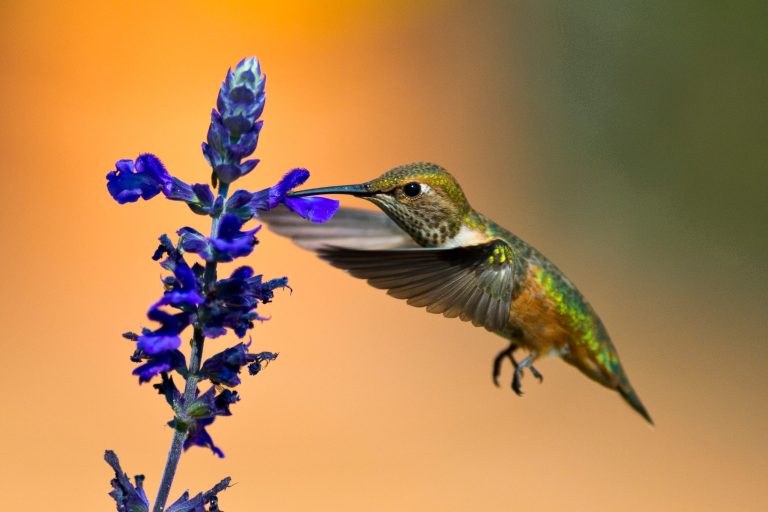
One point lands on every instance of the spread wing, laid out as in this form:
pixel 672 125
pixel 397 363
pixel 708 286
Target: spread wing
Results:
pixel 475 283
pixel 349 227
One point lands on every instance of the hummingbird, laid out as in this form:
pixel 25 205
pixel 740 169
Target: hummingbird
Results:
pixel 428 246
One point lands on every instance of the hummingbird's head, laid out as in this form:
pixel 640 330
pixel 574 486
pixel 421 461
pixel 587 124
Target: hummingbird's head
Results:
pixel 422 198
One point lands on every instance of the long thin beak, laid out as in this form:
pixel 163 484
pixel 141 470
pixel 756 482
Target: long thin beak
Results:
pixel 354 190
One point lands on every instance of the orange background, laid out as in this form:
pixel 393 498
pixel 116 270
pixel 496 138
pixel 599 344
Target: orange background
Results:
pixel 624 142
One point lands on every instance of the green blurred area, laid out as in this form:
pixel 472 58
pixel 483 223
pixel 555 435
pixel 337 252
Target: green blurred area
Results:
pixel 655 114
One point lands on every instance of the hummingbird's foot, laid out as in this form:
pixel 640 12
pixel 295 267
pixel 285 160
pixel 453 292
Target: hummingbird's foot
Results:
pixel 525 363
pixel 536 373
pixel 516 386
pixel 507 353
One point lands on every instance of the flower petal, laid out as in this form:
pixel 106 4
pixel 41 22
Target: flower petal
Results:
pixel 162 362
pixel 129 181
pixel 198 436
pixel 316 209
pixel 167 336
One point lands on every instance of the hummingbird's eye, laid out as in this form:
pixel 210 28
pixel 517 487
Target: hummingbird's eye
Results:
pixel 412 189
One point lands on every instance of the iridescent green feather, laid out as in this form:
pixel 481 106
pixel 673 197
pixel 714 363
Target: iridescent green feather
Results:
pixel 589 330
pixel 584 323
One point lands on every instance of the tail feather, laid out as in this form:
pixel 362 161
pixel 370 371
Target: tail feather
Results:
pixel 633 400
pixel 615 379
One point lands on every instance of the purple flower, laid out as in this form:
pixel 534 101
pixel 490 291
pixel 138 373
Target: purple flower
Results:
pixel 144 179
pixel 233 302
pixel 230 243
pixel 223 400
pixel 185 504
pixel 147 177
pixel 198 197
pixel 168 389
pixel 245 204
pixel 224 367
pixel 316 209
pixel 276 194
pixel 167 336
pixel 159 363
pixel 195 242
pixel 200 413
pixel 209 404
pixel 198 436
pixel 183 289
pixel 165 247
pixel 129 498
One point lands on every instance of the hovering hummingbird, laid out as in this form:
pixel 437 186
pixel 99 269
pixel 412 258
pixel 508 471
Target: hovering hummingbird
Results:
pixel 430 247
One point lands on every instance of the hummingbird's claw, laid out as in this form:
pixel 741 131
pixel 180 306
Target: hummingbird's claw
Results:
pixel 525 363
pixel 516 386
pixel 507 353
pixel 536 373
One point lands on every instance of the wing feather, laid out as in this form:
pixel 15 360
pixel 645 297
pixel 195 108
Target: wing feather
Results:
pixel 468 282
pixel 349 227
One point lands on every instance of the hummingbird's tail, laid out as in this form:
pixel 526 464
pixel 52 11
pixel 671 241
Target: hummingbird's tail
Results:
pixel 615 378
pixel 629 395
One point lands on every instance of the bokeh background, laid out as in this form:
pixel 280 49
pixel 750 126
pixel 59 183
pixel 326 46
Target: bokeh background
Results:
pixel 625 140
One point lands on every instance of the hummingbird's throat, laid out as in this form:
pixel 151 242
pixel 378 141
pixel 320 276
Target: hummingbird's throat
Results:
pixel 428 227
pixel 430 235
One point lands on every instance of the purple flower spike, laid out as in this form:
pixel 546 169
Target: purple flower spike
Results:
pixel 194 296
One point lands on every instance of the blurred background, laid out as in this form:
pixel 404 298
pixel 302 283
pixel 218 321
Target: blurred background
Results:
pixel 627 141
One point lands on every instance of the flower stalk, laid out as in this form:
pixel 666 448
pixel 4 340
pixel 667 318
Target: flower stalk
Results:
pixel 194 296
pixel 195 361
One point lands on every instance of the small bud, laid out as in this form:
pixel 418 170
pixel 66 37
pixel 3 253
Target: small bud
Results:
pixel 234 130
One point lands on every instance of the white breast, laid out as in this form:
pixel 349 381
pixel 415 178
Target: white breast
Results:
pixel 466 236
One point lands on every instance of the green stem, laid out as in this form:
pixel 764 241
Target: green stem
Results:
pixel 174 454
pixel 193 378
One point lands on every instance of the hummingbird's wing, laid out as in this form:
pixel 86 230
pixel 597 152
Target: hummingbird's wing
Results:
pixel 475 283
pixel 349 227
